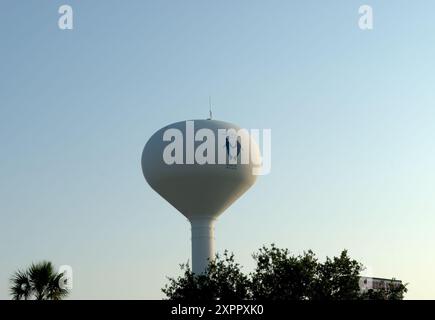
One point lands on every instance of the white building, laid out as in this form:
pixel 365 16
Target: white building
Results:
pixel 367 283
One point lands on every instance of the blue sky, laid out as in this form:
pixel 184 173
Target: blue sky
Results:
pixel 351 113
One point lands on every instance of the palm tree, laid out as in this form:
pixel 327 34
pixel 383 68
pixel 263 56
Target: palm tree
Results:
pixel 38 282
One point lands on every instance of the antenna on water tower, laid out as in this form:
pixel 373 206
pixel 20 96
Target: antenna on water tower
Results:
pixel 209 110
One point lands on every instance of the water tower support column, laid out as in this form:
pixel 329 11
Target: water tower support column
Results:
pixel 202 243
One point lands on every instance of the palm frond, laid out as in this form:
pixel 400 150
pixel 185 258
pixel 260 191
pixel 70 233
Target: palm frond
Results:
pixel 40 275
pixel 21 287
pixel 56 291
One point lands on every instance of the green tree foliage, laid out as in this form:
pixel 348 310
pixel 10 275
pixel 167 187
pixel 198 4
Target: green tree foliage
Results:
pixel 222 280
pixel 39 282
pixel 337 279
pixel 278 276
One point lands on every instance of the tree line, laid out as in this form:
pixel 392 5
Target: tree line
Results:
pixel 278 275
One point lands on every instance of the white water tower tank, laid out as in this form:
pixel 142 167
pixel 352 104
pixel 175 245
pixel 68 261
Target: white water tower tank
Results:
pixel 201 192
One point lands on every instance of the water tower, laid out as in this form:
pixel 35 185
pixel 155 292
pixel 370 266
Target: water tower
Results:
pixel 201 191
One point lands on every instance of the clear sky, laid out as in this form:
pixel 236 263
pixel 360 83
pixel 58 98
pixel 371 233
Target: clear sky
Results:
pixel 351 112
